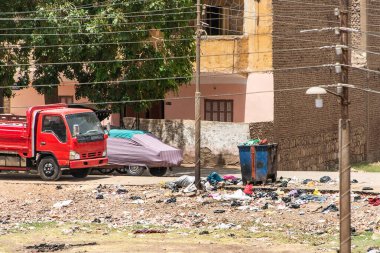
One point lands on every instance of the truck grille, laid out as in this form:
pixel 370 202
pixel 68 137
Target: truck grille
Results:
pixel 91 155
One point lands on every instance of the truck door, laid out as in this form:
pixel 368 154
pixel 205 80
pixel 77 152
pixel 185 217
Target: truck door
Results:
pixel 52 138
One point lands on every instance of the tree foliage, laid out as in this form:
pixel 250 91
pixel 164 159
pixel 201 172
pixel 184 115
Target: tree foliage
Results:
pixel 147 40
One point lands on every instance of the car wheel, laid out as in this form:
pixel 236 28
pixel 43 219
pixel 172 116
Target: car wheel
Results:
pixel 80 173
pixel 48 169
pixel 106 171
pixel 158 172
pixel 134 170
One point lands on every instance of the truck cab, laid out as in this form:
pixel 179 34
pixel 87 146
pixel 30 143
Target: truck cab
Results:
pixel 54 139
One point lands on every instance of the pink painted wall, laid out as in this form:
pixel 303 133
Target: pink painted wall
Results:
pixel 259 107
pixel 184 108
pixel 29 97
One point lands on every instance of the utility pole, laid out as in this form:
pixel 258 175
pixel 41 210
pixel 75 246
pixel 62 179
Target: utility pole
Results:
pixel 344 138
pixel 198 101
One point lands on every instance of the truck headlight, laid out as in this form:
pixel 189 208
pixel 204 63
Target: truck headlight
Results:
pixel 74 155
pixel 104 153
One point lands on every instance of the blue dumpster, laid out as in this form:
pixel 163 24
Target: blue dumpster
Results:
pixel 258 163
pixel 246 163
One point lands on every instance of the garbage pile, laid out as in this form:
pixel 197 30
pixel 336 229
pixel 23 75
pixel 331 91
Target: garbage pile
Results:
pixel 286 194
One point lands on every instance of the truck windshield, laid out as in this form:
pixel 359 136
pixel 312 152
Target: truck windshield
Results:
pixel 88 123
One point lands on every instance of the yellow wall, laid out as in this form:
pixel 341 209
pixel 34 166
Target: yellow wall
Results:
pixel 242 54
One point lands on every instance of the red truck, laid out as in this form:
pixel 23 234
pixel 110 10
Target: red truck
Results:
pixel 53 139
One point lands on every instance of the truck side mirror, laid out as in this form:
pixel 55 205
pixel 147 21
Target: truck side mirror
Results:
pixel 76 130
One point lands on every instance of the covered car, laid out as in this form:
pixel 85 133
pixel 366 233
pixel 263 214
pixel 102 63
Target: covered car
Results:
pixel 132 151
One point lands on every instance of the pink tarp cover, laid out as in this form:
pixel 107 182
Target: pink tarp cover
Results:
pixel 142 149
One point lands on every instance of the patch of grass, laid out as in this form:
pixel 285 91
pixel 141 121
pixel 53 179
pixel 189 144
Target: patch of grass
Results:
pixel 364 241
pixel 367 167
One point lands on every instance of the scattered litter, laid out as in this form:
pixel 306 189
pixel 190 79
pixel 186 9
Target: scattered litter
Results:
pixel 135 197
pixel 61 204
pixel 325 179
pixel 248 189
pixel 214 178
pixel 354 181
pixel 121 190
pixel 99 196
pixel 149 231
pixel 219 211
pixel 374 201
pixel 366 188
pixel 58 187
pixel 330 208
pixel 138 201
pixel 204 232
pixel 171 200
pixel 225 226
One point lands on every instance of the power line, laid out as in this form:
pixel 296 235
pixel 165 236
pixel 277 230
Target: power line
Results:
pixel 73 83
pixel 95 33
pixel 177 98
pixel 306 3
pixel 80 7
pixel 87 17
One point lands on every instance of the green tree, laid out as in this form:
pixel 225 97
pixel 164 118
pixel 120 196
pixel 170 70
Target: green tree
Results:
pixel 136 39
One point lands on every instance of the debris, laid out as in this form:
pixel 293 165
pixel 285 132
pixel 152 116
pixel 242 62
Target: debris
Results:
pixel 171 200
pixel 214 178
pixel 58 187
pixel 325 179
pixel 374 201
pixel 225 226
pixel 204 232
pixel 234 203
pixel 149 231
pixel 354 181
pixel 248 189
pixel 237 195
pixel 286 199
pixel 99 196
pixel 330 208
pixel 219 211
pixel 373 250
pixel 366 188
pixel 316 192
pixel 294 206
pixel 284 183
pixel 61 204
pixel 121 190
pixel 306 181
pixel 229 177
pixel 134 197
pixel 184 181
pixel 137 201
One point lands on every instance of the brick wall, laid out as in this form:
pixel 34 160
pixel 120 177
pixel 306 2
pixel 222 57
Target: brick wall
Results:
pixel 262 130
pixel 308 136
pixel 373 42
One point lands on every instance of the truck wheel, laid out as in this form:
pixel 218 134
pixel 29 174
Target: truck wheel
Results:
pixel 81 173
pixel 48 169
pixel 134 170
pixel 158 172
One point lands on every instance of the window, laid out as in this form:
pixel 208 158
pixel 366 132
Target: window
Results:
pixel 219 110
pixel 223 20
pixel 214 19
pixel 55 125
pixel 66 99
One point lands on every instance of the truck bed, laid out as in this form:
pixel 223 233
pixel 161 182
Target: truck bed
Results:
pixel 13 137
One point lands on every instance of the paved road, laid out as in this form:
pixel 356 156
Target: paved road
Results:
pixel 365 179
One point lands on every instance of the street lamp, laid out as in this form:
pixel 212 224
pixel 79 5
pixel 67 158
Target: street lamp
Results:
pixel 317 91
pixel 344 162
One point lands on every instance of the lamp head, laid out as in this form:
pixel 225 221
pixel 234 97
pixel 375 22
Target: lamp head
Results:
pixel 318 91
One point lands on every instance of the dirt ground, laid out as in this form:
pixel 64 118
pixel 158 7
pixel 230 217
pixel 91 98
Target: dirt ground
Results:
pixel 98 218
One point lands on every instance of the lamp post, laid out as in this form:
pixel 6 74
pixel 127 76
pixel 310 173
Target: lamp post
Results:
pixel 344 162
